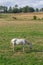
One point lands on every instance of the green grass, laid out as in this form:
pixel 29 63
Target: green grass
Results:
pixel 31 30
pixel 21 59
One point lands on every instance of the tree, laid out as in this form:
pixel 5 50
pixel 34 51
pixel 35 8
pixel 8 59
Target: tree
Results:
pixel 41 9
pixel 5 9
pixel 27 9
pixel 37 10
pixel 20 10
pixel 10 9
pixel 16 6
pixel 15 10
pixel 31 9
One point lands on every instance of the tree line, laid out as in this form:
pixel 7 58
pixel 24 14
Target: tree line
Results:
pixel 16 9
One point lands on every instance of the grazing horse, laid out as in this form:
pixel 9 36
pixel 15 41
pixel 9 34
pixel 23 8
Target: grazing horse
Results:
pixel 17 41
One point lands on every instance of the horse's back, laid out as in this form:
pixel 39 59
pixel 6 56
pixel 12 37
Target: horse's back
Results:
pixel 20 41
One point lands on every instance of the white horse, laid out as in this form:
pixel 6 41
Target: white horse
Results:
pixel 17 41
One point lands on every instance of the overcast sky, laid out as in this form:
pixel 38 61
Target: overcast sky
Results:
pixel 21 3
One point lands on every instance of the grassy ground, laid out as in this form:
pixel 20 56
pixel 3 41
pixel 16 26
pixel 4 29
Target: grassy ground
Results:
pixel 22 27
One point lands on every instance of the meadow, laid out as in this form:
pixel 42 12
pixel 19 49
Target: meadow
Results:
pixel 21 25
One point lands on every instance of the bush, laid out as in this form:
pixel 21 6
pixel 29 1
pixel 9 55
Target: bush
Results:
pixel 42 18
pixel 14 17
pixel 34 17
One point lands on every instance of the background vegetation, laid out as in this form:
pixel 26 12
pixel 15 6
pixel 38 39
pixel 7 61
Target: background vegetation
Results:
pixel 17 9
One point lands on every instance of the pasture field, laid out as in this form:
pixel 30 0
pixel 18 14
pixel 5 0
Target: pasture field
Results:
pixel 21 26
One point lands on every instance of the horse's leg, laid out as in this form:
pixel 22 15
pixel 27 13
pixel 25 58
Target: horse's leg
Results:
pixel 30 46
pixel 23 47
pixel 13 47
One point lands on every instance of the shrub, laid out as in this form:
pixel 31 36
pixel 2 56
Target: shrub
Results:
pixel 42 18
pixel 14 17
pixel 34 17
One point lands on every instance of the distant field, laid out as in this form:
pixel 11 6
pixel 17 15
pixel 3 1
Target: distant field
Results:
pixel 21 26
